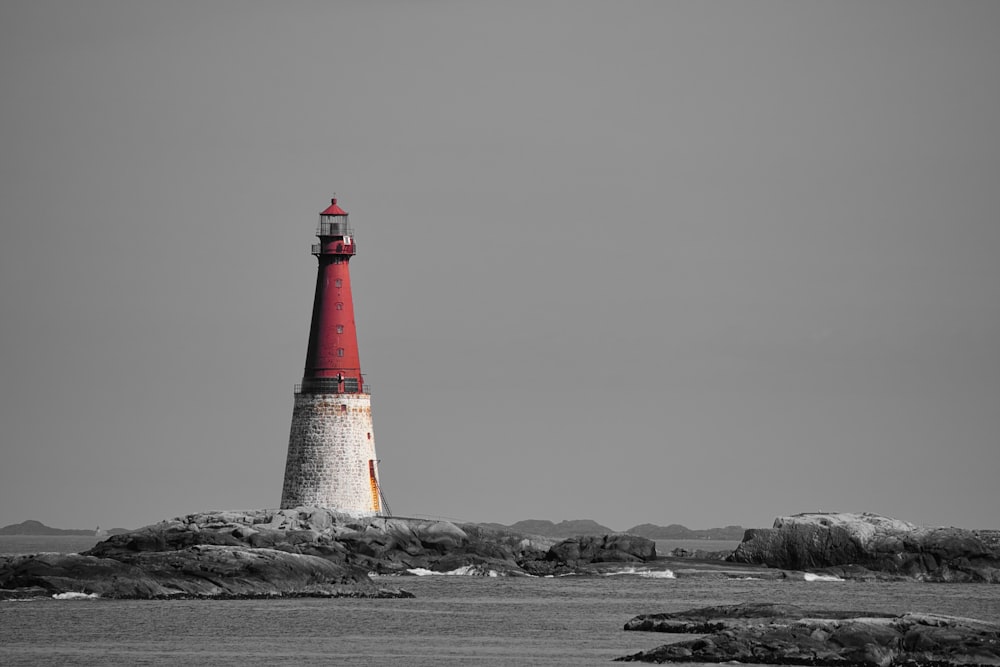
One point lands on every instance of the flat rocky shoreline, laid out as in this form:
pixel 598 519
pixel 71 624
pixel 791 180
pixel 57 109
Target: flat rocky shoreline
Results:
pixel 789 635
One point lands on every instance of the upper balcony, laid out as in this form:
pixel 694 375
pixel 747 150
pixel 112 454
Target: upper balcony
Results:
pixel 344 246
pixel 332 386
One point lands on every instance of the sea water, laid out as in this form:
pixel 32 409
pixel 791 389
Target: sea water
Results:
pixel 453 620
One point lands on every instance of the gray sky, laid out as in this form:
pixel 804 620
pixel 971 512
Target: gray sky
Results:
pixel 672 262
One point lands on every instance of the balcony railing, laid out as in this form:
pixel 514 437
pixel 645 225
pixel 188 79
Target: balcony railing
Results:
pixel 332 386
pixel 334 229
pixel 338 248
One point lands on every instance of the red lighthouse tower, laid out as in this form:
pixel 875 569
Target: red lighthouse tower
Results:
pixel 331 450
pixel 332 359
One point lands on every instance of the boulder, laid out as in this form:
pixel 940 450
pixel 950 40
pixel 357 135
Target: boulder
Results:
pixel 874 543
pixel 440 536
pixel 590 554
pixel 615 548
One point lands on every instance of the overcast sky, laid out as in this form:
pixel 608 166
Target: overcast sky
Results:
pixel 673 262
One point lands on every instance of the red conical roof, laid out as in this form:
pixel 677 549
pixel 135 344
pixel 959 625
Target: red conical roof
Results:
pixel 333 209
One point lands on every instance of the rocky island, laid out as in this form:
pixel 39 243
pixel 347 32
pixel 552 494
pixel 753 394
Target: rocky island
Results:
pixel 788 635
pixel 300 552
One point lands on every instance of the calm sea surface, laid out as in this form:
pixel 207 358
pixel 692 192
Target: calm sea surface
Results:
pixel 452 621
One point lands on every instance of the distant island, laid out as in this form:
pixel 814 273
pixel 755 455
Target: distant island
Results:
pixel 31 527
pixel 541 527
pixel 648 530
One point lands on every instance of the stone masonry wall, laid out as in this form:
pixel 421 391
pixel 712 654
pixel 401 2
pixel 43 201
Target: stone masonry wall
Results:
pixel 330 445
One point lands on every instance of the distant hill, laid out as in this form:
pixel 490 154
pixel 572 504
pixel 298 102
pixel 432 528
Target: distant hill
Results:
pixel 549 529
pixel 543 527
pixel 589 527
pixel 38 528
pixel 677 532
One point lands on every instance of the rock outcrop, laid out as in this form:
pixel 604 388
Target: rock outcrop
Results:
pixel 728 617
pixel 617 548
pixel 855 545
pixel 302 551
pixel 197 571
pixel 591 554
pixel 788 635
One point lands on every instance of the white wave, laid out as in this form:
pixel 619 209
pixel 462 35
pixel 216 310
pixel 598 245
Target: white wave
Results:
pixel 421 572
pixel 473 571
pixel 642 572
pixel 810 576
pixel 658 574
pixel 72 595
pixel 464 571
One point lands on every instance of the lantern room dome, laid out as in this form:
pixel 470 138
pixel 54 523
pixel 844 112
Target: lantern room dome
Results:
pixel 333 209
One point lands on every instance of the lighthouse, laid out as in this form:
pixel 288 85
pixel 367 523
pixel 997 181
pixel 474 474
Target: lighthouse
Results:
pixel 331 449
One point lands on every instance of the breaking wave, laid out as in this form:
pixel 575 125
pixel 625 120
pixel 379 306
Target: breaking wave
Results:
pixel 72 595
pixel 810 576
pixel 464 571
pixel 644 572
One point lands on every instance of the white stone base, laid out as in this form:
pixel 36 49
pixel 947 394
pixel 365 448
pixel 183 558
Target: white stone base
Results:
pixel 329 449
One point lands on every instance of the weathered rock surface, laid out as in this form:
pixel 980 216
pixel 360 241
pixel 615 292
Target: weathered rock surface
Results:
pixel 592 554
pixel 23 593
pixel 785 634
pixel 302 551
pixel 198 571
pixel 617 548
pixel 713 619
pixel 849 545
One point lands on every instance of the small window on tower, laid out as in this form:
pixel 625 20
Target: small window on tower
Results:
pixel 338 283
pixel 340 305
pixel 340 351
pixel 340 328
